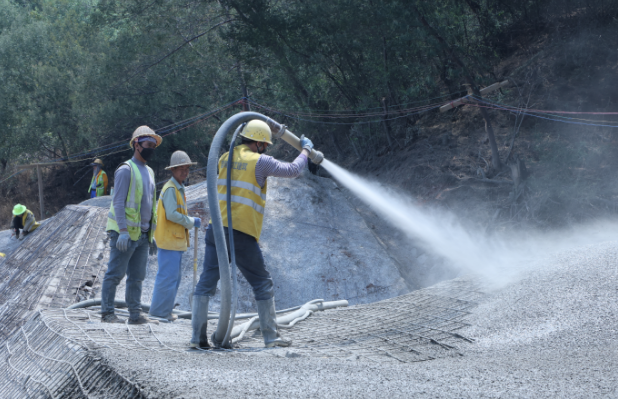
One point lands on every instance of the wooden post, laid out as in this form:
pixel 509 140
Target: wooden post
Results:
pixel 38 167
pixel 463 100
pixel 38 173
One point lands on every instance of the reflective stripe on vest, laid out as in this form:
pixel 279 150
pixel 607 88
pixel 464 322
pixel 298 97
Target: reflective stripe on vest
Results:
pixel 169 235
pixel 242 200
pixel 245 185
pixel 248 199
pixel 133 206
pixel 130 202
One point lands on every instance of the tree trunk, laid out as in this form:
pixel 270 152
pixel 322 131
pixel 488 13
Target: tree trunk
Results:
pixel 495 156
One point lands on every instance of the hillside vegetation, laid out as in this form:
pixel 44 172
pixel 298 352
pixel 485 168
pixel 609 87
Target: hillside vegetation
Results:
pixel 363 79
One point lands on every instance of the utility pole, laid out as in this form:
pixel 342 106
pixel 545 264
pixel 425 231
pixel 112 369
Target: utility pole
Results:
pixel 465 100
pixel 38 174
pixel 38 167
pixel 245 104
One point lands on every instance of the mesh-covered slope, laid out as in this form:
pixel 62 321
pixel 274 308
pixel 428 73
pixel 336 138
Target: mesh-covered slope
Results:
pixel 52 266
pixel 418 326
pixel 39 361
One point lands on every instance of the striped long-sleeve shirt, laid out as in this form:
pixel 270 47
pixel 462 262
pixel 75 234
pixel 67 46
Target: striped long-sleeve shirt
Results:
pixel 269 166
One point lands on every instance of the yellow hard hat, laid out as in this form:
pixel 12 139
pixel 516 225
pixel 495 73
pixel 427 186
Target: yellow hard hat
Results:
pixel 145 131
pixel 257 130
pixel 180 158
pixel 19 209
pixel 97 162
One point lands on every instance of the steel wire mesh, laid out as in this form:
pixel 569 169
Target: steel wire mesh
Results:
pixel 419 326
pixel 44 363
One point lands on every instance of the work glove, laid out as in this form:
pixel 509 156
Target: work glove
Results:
pixel 306 143
pixel 153 247
pixel 123 242
pixel 197 222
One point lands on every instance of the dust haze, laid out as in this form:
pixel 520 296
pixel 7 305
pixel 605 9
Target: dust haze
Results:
pixel 499 258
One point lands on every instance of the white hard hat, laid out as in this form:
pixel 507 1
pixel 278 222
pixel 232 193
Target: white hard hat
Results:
pixel 180 158
pixel 144 131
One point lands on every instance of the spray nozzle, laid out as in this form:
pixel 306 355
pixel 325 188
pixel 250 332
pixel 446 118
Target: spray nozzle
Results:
pixel 318 158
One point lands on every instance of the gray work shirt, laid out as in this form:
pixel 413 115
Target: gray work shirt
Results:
pixel 122 181
pixel 171 206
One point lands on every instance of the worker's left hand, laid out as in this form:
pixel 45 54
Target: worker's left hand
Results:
pixel 305 143
pixel 153 247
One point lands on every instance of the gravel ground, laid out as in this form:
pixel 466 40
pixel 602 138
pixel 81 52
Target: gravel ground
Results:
pixel 550 334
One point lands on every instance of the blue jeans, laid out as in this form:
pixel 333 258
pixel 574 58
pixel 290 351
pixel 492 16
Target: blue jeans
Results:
pixel 131 263
pixel 249 261
pixel 93 193
pixel 167 282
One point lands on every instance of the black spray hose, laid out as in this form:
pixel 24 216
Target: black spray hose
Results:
pixel 212 176
pixel 230 230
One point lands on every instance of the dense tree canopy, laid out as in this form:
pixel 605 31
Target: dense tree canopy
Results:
pixel 81 74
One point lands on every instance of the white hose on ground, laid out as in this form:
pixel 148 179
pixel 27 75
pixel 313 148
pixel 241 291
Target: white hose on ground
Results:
pixel 289 319
pixel 181 314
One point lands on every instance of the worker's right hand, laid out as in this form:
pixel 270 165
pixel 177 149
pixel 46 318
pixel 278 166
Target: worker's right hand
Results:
pixel 123 242
pixel 305 143
pixel 197 222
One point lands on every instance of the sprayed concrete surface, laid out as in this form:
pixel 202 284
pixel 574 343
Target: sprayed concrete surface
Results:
pixel 315 245
pixel 545 326
pixel 551 333
pixel 8 243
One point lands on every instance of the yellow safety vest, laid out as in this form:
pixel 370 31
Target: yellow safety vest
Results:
pixel 169 235
pixel 101 178
pixel 248 198
pixel 133 205
pixel 32 226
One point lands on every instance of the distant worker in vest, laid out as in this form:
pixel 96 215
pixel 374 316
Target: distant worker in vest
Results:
pixel 250 170
pixel 131 223
pixel 98 184
pixel 23 219
pixel 172 236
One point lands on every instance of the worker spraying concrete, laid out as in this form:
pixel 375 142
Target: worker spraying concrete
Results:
pixel 237 186
pixel 445 238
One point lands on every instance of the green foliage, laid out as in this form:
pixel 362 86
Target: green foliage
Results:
pixel 80 74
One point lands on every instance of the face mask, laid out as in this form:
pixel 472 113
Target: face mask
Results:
pixel 261 149
pixel 146 153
